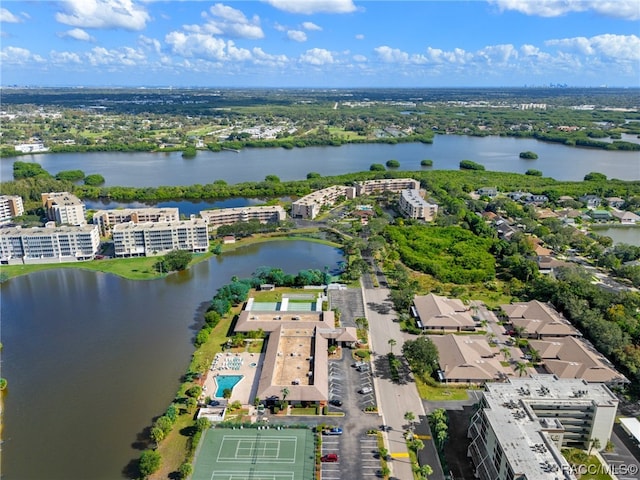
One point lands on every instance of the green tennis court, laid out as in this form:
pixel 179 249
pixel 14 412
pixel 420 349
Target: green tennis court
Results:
pixel 252 454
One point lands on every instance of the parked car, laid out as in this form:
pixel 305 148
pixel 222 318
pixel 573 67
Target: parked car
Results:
pixel 336 401
pixel 366 390
pixel 329 457
pixel 332 431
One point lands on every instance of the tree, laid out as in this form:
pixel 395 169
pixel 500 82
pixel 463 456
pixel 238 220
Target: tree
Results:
pixel 393 163
pixel 533 172
pixel 185 470
pixel 176 260
pixel 157 435
pixel 272 179
pixel 416 444
pixel 422 355
pixel 426 162
pixel 595 176
pixel 392 343
pixel 469 165
pixel 285 392
pixel 94 180
pixel 149 462
pixel 312 175
pixel 189 152
pixel 377 167
pixel 70 175
pixel 594 443
pixel 529 155
pixel 425 470
pixel 521 368
pixel 410 417
pixel 506 353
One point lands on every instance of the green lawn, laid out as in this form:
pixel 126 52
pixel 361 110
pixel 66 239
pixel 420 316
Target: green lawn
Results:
pixel 427 392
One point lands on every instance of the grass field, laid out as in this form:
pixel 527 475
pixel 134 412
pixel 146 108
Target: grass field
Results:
pixel 228 454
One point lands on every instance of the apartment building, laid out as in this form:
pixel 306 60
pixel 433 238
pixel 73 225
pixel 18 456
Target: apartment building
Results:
pixel 10 206
pixel 51 244
pixel 412 205
pixel 309 206
pixel 227 216
pixel 64 208
pixel 105 219
pixel 522 424
pixel 158 238
pixel 386 184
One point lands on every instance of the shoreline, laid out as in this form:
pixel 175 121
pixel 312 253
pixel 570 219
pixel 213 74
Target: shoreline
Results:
pixel 136 264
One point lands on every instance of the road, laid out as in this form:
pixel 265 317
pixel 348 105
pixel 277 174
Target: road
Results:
pixel 394 399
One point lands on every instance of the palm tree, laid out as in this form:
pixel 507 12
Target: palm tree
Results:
pixel 535 355
pixel 285 392
pixel 521 368
pixel 506 353
pixel 392 343
pixel 425 471
pixel 410 417
pixel 594 443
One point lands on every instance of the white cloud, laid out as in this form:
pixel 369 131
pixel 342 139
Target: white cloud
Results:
pixel 360 36
pixel 7 17
pixel 226 21
pixel 103 14
pixel 313 6
pixel 65 57
pixel 500 54
pixel 455 56
pixel 262 58
pixel 78 34
pixel 297 35
pixel 394 55
pixel 310 26
pixel 625 9
pixel 150 43
pixel 622 47
pixel 18 56
pixel 199 45
pixel 359 58
pixel 125 56
pixel 317 56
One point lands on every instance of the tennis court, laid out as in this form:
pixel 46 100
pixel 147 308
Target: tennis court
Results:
pixel 253 454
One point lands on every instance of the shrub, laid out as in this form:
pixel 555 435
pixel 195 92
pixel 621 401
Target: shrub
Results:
pixel 469 165
pixel 149 462
pixel 393 163
pixel 426 163
pixel 529 155
pixel 377 167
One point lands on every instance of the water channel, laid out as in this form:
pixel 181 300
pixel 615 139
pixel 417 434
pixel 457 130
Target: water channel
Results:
pixel 92 358
pixel 495 153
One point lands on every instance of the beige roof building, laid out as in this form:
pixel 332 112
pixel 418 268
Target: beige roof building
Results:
pixel 539 320
pixel 569 357
pixel 468 359
pixel 297 350
pixel 436 312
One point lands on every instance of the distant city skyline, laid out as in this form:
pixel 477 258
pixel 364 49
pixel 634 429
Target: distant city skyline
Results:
pixel 320 43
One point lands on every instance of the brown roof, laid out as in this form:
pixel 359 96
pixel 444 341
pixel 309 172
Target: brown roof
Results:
pixel 441 312
pixel 569 357
pixel 538 318
pixel 468 358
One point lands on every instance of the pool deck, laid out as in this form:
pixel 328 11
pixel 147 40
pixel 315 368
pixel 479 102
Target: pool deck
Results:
pixel 245 391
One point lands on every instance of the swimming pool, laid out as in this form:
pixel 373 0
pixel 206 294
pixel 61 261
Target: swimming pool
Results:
pixel 226 381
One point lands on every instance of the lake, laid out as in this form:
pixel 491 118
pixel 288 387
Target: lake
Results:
pixel 495 153
pixel 628 235
pixel 92 358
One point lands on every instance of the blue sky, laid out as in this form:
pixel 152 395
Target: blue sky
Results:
pixel 320 43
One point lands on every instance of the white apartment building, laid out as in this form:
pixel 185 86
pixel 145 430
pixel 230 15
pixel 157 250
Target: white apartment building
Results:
pixel 227 216
pixel 412 205
pixel 158 238
pixel 50 244
pixel 522 424
pixel 105 219
pixel 309 206
pixel 386 184
pixel 10 206
pixel 64 208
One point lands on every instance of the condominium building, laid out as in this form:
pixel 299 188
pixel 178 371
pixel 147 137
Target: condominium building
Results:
pixel 158 238
pixel 64 208
pixel 386 184
pixel 228 216
pixel 105 219
pixel 522 424
pixel 51 244
pixel 309 206
pixel 10 206
pixel 412 205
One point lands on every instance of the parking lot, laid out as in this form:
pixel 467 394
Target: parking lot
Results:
pixel 349 303
pixel 623 459
pixel 331 444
